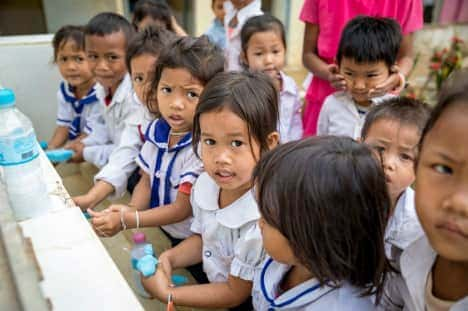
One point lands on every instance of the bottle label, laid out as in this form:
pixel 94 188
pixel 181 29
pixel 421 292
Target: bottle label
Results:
pixel 18 150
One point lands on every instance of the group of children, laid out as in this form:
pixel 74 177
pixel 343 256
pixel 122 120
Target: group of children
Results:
pixel 214 158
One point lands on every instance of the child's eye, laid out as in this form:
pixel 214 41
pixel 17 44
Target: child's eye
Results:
pixel 209 142
pixel 406 157
pixel 112 58
pixel 62 59
pixel 379 149
pixel 236 143
pixel 92 57
pixel 192 95
pixel 372 75
pixel 442 169
pixel 258 53
pixel 347 73
pixel 166 90
pixel 138 79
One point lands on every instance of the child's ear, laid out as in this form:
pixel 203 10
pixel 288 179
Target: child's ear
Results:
pixel 243 59
pixel 273 140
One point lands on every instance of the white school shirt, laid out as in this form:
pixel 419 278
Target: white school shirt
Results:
pixel 122 160
pixel 340 117
pixel 232 243
pixel 81 116
pixel 305 296
pixel 100 144
pixel 233 40
pixel 290 107
pixel 407 290
pixel 403 227
pixel 168 168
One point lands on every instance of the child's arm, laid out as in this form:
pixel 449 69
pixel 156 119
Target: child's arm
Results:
pixel 314 63
pixel 95 195
pixel 142 193
pixel 59 138
pixel 213 295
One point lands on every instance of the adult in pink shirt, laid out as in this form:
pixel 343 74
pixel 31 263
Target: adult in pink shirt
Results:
pixel 324 20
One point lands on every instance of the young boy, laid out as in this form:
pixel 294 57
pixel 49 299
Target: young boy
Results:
pixel 366 55
pixel 237 13
pixel 393 131
pixel 141 57
pixel 216 33
pixel 106 39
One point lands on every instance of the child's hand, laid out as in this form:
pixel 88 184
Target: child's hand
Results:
pixel 117 208
pixel 77 147
pixel 106 223
pixel 394 83
pixel 335 78
pixel 83 201
pixel 157 285
pixel 165 266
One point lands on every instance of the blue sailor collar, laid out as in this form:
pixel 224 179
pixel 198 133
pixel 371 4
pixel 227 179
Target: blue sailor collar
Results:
pixel 158 134
pixel 299 296
pixel 68 94
pixel 233 216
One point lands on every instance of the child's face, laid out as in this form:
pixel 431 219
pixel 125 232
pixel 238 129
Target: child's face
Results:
pixel 362 77
pixel 396 145
pixel 218 9
pixel 239 4
pixel 142 67
pixel 177 95
pixel 276 244
pixel 442 184
pixel 106 54
pixel 266 52
pixel 73 65
pixel 226 150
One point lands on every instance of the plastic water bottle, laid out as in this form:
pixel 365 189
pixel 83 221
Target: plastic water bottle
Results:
pixel 139 250
pixel 19 153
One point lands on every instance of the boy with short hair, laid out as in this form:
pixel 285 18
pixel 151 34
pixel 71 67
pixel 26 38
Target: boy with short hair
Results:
pixel 116 176
pixel 366 57
pixel 393 130
pixel 106 39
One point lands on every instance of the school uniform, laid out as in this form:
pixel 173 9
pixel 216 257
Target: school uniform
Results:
pixel 121 162
pixel 217 34
pixel 168 167
pixel 232 243
pixel 100 144
pixel 266 293
pixel 233 40
pixel 403 227
pixel 290 107
pixel 82 115
pixel 410 290
pixel 341 116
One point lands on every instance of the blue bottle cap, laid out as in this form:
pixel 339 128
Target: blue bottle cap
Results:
pixel 7 98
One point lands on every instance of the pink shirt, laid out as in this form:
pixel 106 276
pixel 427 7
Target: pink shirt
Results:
pixel 332 16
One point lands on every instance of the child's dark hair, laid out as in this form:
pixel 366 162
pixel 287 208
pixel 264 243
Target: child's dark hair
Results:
pixel 251 96
pixel 405 110
pixel 150 40
pixel 327 195
pixel 454 91
pixel 198 56
pixel 156 9
pixel 107 23
pixel 66 33
pixel 261 23
pixel 368 39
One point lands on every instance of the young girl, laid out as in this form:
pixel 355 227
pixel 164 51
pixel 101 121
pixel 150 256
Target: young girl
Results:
pixel 264 48
pixel 323 204
pixel 116 176
pixel 169 166
pixel 324 21
pixel 235 123
pixel 78 106
pixel 434 268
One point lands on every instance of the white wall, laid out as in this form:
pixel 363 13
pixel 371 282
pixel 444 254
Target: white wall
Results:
pixel 26 67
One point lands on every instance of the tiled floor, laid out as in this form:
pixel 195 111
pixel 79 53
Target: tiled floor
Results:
pixel 78 179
